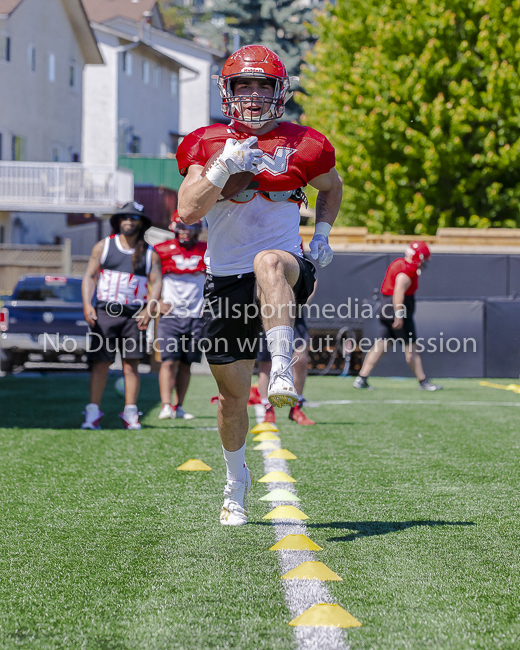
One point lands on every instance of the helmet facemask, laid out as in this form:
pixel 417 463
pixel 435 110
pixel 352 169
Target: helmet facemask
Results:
pixel 235 106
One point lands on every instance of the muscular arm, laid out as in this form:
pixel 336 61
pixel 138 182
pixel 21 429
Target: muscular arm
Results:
pixel 88 285
pixel 402 283
pixel 330 191
pixel 154 293
pixel 196 196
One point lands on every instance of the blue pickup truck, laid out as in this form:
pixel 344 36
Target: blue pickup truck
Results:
pixel 42 321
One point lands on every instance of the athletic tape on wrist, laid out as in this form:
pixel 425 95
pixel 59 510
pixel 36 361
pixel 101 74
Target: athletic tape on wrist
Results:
pixel 399 313
pixel 218 174
pixel 322 228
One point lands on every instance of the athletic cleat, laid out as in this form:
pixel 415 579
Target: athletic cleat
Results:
pixel 130 417
pixel 167 412
pixel 181 413
pixel 233 511
pixel 281 390
pixel 361 382
pixel 426 385
pixel 270 415
pixel 92 417
pixel 297 415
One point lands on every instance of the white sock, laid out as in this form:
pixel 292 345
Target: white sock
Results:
pixel 265 401
pixel 92 406
pixel 235 463
pixel 300 398
pixel 280 345
pixel 130 408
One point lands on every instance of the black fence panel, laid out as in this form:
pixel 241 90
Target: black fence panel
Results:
pixel 451 333
pixel 503 338
pixel 514 276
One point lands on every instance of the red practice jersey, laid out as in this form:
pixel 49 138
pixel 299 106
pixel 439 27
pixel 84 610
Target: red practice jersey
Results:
pixel 293 154
pixel 400 266
pixel 181 259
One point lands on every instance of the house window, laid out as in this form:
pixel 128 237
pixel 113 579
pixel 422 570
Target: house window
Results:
pixel 174 142
pixel 31 58
pixel 146 72
pixel 18 148
pixel 5 48
pixel 174 84
pixel 135 144
pixel 1 146
pixel 157 76
pixel 51 67
pixel 127 63
pixel 55 154
pixel 72 75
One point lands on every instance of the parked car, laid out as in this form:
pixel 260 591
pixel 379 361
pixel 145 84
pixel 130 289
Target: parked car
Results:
pixel 42 321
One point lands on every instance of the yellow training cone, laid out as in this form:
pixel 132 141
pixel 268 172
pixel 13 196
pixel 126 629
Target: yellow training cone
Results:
pixel 295 543
pixel 266 435
pixel 285 512
pixel 324 615
pixel 311 571
pixel 264 426
pixel 282 453
pixel 195 465
pixel 277 477
pixel 268 444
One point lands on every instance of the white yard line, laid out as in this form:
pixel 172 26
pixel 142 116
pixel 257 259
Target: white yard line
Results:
pixel 411 402
pixel 300 594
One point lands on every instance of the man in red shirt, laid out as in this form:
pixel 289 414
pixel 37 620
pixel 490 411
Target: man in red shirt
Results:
pixel 396 314
pixel 256 270
pixel 180 325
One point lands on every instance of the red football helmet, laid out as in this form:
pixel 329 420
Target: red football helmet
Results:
pixel 254 61
pixel 184 234
pixel 418 252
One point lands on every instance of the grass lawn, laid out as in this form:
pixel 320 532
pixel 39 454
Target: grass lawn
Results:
pixel 104 545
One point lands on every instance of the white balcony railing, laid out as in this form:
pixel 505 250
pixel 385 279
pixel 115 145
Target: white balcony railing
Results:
pixel 63 187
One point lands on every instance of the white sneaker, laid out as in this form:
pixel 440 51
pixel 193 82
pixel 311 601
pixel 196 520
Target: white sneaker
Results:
pixel 92 417
pixel 281 389
pixel 167 412
pixel 181 413
pixel 233 511
pixel 130 417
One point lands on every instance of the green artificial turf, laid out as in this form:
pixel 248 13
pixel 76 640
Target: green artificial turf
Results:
pixel 105 545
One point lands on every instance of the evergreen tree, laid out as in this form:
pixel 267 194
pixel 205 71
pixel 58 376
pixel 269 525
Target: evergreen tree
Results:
pixel 422 101
pixel 280 25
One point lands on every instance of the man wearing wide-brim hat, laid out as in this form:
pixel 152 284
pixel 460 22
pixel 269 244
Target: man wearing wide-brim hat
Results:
pixel 127 274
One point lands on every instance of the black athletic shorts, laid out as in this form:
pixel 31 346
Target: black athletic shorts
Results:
pixel 178 339
pixel 407 332
pixel 115 329
pixel 232 319
pixel 301 335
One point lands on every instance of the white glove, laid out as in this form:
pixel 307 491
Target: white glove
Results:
pixel 320 250
pixel 239 157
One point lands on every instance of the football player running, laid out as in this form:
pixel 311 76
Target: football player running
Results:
pixel 256 271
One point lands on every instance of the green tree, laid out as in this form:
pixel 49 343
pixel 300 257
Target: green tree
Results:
pixel 422 100
pixel 281 25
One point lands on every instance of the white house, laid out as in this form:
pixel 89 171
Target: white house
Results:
pixel 131 105
pixel 199 102
pixel 44 47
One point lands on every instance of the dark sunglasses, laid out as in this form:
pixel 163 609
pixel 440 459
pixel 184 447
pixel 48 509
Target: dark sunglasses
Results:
pixel 133 217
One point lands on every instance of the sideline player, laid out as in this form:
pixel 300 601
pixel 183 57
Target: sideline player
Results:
pixel 396 314
pixel 121 266
pixel 254 253
pixel 300 368
pixel 180 325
